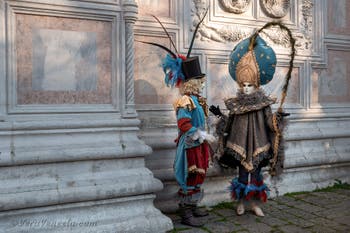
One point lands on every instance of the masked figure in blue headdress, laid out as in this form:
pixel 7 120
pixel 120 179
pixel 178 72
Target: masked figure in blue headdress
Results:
pixel 248 138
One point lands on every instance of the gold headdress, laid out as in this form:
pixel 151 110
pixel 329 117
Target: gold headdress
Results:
pixel 247 70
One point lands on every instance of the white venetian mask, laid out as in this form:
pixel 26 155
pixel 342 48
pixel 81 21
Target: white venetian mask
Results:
pixel 248 88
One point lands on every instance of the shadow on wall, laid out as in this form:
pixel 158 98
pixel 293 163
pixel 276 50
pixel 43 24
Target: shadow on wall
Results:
pixel 145 92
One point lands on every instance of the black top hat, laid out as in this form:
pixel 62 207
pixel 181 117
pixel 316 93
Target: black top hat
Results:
pixel 191 68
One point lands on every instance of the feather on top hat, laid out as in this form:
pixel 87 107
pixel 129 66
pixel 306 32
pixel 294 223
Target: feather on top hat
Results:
pixel 179 68
pixel 253 61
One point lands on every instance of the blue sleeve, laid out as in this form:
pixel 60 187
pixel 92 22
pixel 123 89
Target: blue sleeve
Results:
pixel 184 113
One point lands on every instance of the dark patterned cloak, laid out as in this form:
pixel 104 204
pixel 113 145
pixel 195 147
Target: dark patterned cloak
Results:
pixel 249 131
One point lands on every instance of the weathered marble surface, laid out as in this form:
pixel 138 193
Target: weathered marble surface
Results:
pixel 317 138
pixel 338 18
pixel 150 87
pixel 331 85
pixel 112 215
pixel 159 7
pixel 64 60
pixel 72 67
pixel 70 156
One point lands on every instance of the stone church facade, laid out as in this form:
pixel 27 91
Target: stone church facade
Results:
pixel 318 98
pixel 87 127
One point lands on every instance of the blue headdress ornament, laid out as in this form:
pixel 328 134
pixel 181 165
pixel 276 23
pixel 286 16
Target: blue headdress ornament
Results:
pixel 254 58
pixel 172 67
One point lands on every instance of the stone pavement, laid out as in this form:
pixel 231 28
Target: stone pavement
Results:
pixel 321 211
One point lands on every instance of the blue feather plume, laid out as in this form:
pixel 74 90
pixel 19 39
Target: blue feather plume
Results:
pixel 173 70
pixel 253 188
pixel 237 187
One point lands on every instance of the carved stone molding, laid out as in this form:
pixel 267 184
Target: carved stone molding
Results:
pixel 304 42
pixel 303 35
pixel 234 6
pixel 277 36
pixel 306 10
pixel 232 33
pixel 224 33
pixel 275 8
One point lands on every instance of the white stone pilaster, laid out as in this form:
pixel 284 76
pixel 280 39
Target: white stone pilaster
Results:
pixel 74 163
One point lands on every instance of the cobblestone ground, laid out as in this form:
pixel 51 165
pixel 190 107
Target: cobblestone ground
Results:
pixel 324 211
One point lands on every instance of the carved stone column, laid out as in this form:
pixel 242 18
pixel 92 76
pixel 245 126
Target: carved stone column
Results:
pixel 70 157
pixel 130 17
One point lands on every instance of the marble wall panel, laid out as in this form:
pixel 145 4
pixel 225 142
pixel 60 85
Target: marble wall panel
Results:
pixel 150 87
pixel 332 85
pixel 275 86
pixel 339 17
pixel 63 60
pixel 220 84
pixel 160 8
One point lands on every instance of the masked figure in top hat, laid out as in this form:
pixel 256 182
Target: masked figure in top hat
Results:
pixel 192 153
pixel 192 148
pixel 250 132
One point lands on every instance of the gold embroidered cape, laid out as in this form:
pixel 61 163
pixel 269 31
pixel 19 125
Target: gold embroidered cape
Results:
pixel 249 131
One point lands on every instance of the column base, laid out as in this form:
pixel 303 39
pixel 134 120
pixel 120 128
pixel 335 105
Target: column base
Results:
pixel 127 214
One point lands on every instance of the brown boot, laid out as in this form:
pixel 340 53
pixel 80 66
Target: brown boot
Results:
pixel 198 212
pixel 187 217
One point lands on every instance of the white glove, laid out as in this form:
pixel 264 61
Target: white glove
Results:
pixel 206 136
pixel 202 135
pixel 196 135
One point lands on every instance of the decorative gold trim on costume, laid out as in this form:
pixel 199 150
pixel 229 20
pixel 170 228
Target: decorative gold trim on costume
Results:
pixel 257 67
pixel 184 102
pixel 261 149
pixel 203 102
pixel 249 166
pixel 238 106
pixel 195 169
pixel 192 168
pixel 238 149
pixel 276 142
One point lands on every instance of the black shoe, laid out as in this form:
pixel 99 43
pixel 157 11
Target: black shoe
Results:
pixel 198 212
pixel 187 217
